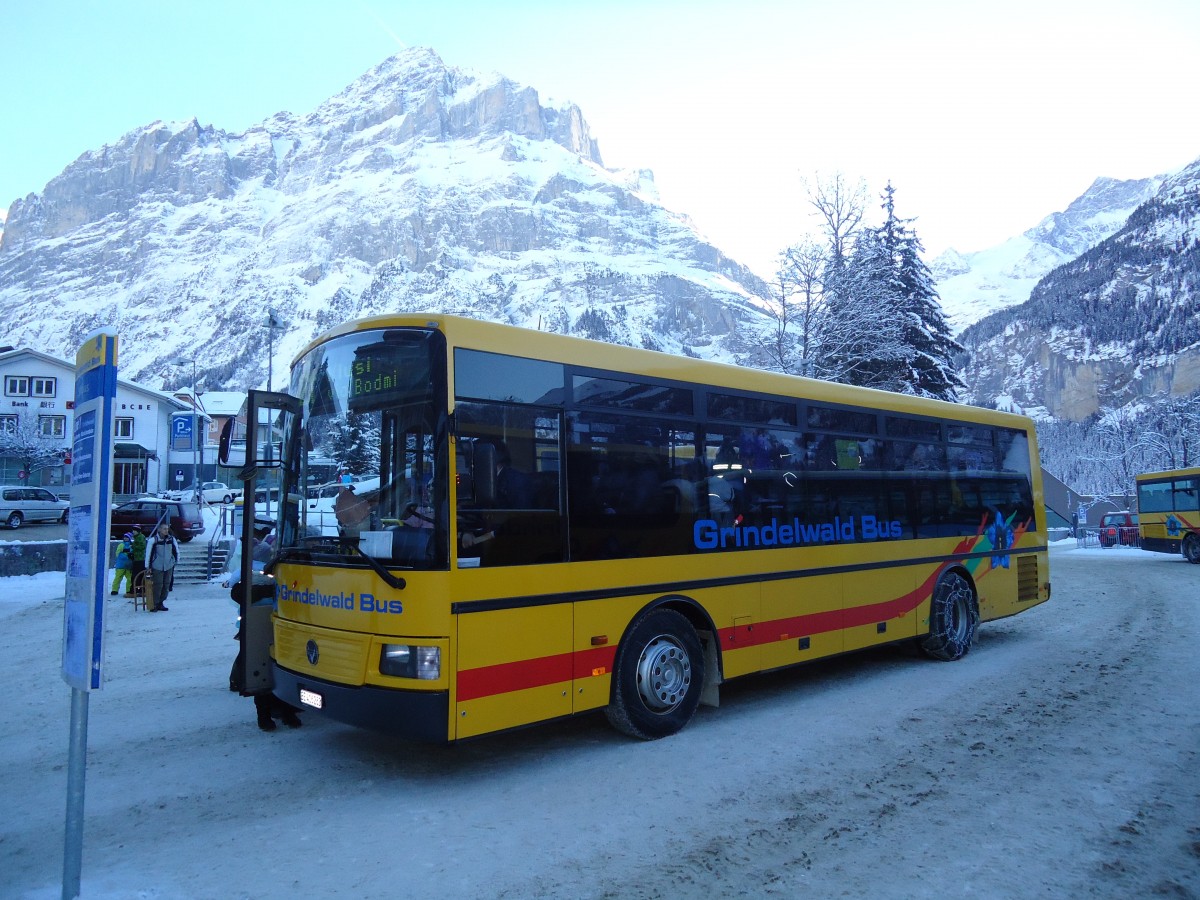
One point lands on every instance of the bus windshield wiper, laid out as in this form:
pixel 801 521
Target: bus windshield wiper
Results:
pixel 394 581
pixel 283 554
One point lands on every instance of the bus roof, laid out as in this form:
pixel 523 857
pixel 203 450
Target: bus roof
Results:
pixel 1169 473
pixel 493 337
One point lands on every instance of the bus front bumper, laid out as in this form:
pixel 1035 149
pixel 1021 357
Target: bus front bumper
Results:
pixel 413 715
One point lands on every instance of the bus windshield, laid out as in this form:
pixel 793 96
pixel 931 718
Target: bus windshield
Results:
pixel 367 474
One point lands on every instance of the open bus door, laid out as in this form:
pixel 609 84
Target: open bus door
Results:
pixel 254 440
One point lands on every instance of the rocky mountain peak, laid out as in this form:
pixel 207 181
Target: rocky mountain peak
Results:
pixel 1095 215
pixel 418 186
pixel 975 285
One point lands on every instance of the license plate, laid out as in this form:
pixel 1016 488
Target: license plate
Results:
pixel 311 698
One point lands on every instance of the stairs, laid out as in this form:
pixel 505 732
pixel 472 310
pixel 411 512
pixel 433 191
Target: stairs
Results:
pixel 195 566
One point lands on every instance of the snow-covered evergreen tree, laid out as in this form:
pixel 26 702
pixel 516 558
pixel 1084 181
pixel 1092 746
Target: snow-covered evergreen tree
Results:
pixel 356 435
pixel 931 346
pixel 862 306
pixel 828 323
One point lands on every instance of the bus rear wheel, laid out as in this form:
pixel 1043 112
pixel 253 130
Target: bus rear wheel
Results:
pixel 953 618
pixel 657 676
pixel 1191 549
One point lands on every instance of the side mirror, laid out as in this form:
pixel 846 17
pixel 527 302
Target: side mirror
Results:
pixel 228 453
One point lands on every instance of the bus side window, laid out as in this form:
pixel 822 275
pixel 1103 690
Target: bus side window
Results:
pixel 509 498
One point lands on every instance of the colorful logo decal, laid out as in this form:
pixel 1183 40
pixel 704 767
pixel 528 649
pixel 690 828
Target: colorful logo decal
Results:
pixel 1173 527
pixel 1000 533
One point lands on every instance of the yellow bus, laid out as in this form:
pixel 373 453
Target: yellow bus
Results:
pixel 1169 512
pixel 527 526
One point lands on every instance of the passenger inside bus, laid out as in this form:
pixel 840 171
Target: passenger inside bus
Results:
pixel 352 511
pixel 514 490
pixel 511 489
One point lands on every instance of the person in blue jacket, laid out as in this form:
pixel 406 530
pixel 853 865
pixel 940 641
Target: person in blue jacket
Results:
pixel 124 565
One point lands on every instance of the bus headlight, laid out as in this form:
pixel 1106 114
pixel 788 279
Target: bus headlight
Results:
pixel 411 661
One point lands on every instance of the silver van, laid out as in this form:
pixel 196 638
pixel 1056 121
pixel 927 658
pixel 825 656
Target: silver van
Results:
pixel 30 504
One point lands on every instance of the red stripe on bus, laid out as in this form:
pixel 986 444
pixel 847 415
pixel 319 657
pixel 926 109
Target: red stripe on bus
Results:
pixel 503 678
pixel 825 622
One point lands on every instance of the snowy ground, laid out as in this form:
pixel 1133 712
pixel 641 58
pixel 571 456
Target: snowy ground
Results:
pixel 1061 758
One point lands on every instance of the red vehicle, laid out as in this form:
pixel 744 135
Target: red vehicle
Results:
pixel 1119 528
pixel 145 514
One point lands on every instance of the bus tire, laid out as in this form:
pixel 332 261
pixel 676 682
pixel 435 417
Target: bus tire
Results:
pixel 953 618
pixel 658 676
pixel 1191 549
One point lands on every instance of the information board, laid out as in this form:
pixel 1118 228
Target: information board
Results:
pixel 182 431
pixel 91 511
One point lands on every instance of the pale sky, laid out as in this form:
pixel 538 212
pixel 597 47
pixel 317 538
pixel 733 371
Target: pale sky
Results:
pixel 986 117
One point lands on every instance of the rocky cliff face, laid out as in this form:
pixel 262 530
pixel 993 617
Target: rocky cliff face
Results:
pixel 1062 376
pixel 418 187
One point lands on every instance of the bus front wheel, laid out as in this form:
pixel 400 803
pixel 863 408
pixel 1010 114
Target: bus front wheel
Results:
pixel 1191 549
pixel 953 618
pixel 657 676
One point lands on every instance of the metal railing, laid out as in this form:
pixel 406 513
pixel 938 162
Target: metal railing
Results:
pixel 1109 536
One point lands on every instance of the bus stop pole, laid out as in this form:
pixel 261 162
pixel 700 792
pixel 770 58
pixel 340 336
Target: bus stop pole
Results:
pixel 76 775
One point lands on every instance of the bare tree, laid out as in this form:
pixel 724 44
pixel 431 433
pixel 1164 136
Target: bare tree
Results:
pixel 1125 450
pixel 840 208
pixel 796 306
pixel 1173 433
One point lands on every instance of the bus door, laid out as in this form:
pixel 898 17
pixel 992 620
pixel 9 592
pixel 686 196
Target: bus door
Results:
pixel 263 430
pixel 515 658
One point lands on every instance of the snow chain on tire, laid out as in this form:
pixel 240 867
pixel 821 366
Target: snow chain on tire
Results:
pixel 953 618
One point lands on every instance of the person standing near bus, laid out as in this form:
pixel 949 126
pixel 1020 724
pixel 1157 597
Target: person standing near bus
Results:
pixel 162 553
pixel 138 543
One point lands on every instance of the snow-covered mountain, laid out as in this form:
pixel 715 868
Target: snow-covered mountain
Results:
pixel 1118 325
pixel 427 187
pixel 420 186
pixel 975 285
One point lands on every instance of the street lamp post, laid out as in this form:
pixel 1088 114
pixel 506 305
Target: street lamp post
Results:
pixel 272 324
pixel 197 450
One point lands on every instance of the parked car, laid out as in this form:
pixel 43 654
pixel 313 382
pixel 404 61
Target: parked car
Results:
pixel 1119 528
pixel 211 491
pixel 145 513
pixel 262 495
pixel 30 504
